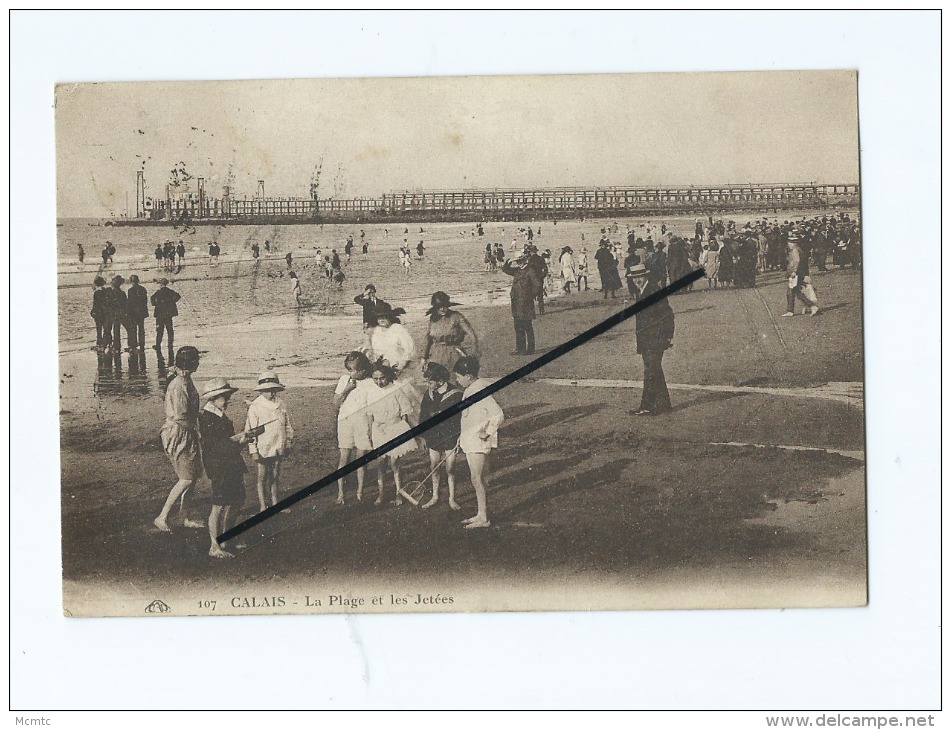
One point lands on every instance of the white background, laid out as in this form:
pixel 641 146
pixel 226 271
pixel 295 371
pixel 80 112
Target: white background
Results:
pixel 883 657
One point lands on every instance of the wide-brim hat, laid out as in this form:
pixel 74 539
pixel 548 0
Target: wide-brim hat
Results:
pixel 637 270
pixel 268 380
pixel 216 387
pixel 439 300
pixel 390 313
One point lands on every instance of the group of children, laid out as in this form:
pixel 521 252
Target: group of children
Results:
pixel 373 407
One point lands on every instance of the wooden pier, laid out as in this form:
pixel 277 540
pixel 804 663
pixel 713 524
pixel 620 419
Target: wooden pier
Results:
pixel 495 203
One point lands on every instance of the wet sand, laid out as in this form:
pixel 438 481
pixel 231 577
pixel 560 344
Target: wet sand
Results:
pixel 586 500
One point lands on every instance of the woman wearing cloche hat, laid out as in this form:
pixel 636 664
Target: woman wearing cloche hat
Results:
pixel 450 336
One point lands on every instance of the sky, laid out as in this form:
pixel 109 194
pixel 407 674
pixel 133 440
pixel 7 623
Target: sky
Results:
pixel 370 136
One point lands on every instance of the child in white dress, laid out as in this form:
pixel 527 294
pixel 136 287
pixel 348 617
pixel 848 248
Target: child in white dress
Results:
pixel 269 449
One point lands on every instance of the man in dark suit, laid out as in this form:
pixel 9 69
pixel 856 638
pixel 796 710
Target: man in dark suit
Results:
pixel 371 305
pixel 138 310
pixel 164 300
pixel 654 330
pixel 116 306
pixel 100 313
pixel 525 286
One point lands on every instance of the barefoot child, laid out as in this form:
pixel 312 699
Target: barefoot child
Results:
pixel 353 427
pixel 221 454
pixel 442 440
pixel 391 413
pixel 479 433
pixel 270 448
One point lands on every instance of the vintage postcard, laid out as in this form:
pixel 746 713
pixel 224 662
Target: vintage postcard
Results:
pixel 262 282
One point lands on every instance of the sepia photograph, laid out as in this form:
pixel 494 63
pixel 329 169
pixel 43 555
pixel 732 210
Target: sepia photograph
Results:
pixel 262 283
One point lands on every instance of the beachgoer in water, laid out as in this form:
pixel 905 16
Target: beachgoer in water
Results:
pixel 289 258
pixel 100 313
pixel 296 289
pixel 81 252
pixel 138 311
pixel 117 307
pixel 165 309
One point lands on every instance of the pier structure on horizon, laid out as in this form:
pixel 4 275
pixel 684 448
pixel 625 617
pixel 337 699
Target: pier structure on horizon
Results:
pixel 494 203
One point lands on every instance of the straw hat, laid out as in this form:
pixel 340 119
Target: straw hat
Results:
pixel 268 380
pixel 216 387
pixel 637 270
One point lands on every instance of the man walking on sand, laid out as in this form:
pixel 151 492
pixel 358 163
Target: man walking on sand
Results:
pixel 654 330
pixel 797 269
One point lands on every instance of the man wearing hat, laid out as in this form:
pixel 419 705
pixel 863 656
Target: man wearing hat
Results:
pixel 116 306
pixel 165 302
pixel 525 284
pixel 654 332
pixel 270 448
pixel 221 456
pixel 450 335
pixel 370 303
pixel 100 313
pixel 797 269
pixel 138 310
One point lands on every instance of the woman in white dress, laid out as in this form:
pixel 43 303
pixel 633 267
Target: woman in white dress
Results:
pixel 568 274
pixel 390 341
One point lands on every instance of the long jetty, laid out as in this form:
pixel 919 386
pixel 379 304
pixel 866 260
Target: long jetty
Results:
pixel 493 204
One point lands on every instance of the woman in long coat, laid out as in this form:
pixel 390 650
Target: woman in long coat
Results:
pixel 727 268
pixel 450 335
pixel 568 274
pixel 607 269
pixel 678 264
pixel 525 286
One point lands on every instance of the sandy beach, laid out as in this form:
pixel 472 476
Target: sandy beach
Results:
pixel 591 507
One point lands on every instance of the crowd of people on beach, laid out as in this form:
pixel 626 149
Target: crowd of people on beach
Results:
pixel 386 389
pixel 390 385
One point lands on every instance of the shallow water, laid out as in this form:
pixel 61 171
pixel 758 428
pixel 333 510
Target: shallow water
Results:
pixel 241 313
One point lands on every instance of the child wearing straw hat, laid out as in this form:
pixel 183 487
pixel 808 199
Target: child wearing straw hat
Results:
pixel 221 455
pixel 270 448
